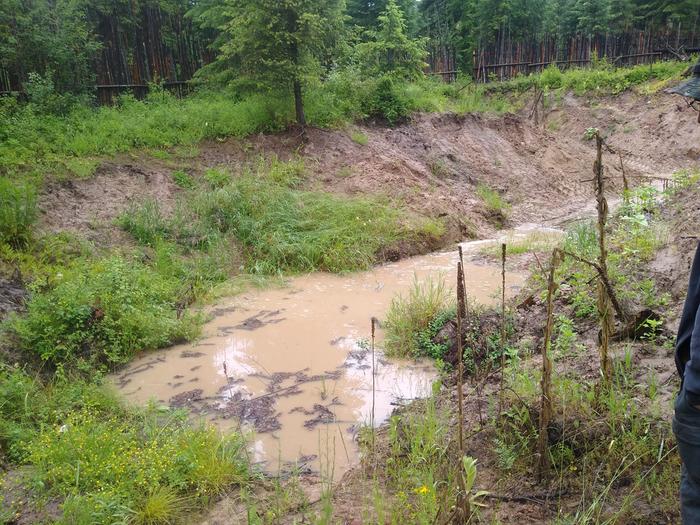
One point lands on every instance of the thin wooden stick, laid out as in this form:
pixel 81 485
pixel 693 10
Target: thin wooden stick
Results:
pixel 460 357
pixel 374 375
pixel 604 298
pixel 546 399
pixel 503 325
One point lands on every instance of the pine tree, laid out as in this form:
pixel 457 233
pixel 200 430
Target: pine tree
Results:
pixel 275 43
pixel 392 51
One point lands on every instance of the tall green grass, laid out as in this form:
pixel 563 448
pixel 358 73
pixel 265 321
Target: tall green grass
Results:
pixel 410 315
pixel 18 211
pixel 280 227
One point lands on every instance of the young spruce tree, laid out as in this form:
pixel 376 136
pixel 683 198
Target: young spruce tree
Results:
pixel 275 43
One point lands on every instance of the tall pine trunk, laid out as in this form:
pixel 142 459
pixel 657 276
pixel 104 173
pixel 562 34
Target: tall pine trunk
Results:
pixel 299 104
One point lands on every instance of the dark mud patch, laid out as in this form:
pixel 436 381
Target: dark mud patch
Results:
pixel 12 295
pixel 259 320
pixel 260 412
pixel 189 354
pixel 186 399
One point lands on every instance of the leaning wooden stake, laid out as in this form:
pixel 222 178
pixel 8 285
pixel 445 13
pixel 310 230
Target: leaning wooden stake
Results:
pixel 465 312
pixel 503 325
pixel 605 313
pixel 546 382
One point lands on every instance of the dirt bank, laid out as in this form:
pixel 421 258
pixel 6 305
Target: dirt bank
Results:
pixel 434 164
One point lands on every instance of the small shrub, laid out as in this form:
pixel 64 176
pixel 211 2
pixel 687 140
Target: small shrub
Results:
pixel 388 101
pixel 410 315
pixel 183 180
pixel 18 211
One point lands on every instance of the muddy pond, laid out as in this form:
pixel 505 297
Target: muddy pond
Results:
pixel 292 365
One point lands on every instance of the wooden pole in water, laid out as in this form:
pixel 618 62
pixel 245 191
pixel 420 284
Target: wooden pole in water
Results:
pixel 460 357
pixel 373 385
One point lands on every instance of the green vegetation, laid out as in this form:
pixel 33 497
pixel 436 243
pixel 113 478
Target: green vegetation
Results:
pixel 272 43
pixel 600 79
pixel 495 205
pixel 104 312
pixel 610 445
pixel 110 463
pixel 408 317
pixel 279 227
pixel 18 211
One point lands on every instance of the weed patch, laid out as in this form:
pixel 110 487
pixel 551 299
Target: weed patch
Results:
pixel 103 313
pixel 18 211
pixel 411 319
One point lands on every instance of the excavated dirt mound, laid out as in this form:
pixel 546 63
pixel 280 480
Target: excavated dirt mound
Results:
pixel 90 206
pixel 433 164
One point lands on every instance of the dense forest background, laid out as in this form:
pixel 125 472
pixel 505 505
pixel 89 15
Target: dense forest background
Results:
pixel 73 45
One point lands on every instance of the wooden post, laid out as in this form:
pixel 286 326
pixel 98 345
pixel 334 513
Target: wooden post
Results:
pixel 503 325
pixel 605 313
pixel 546 381
pixel 460 356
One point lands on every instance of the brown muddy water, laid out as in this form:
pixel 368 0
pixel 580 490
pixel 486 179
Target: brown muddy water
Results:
pixel 293 365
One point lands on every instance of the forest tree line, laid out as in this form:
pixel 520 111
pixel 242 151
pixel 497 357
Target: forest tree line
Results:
pixel 71 45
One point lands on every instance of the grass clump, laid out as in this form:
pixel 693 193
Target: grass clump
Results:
pixel 359 138
pixel 412 315
pixel 103 312
pixel 495 204
pixel 18 211
pixel 532 242
pixel 183 180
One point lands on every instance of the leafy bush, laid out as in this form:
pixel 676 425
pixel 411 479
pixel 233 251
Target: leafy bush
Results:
pixel 104 312
pixel 410 316
pixel 388 101
pixel 18 211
